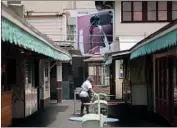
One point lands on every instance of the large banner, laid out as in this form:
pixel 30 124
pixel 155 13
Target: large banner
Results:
pixel 95 31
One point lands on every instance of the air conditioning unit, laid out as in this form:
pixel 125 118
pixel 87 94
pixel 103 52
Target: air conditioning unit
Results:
pixel 15 3
pixel 100 5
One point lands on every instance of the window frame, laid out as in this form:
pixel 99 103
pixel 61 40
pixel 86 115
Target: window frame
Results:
pixel 145 12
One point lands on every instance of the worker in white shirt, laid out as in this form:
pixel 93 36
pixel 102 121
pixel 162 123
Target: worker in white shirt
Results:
pixel 85 93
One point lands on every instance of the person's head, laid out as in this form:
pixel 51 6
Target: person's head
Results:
pixel 90 78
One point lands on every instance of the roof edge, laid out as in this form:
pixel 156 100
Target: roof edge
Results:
pixel 35 33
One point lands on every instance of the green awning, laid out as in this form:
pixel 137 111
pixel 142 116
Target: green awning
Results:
pixel 16 35
pixel 109 61
pixel 165 41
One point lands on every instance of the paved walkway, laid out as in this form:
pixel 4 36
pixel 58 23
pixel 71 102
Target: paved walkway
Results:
pixel 57 116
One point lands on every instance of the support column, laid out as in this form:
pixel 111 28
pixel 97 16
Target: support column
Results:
pixel 59 80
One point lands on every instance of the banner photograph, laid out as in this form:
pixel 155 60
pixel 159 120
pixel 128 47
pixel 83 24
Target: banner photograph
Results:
pixel 95 31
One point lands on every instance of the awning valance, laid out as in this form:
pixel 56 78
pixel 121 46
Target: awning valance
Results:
pixel 16 35
pixel 165 41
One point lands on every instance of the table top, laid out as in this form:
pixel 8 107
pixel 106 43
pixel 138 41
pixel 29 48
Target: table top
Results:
pixel 105 119
pixel 88 103
pixel 109 103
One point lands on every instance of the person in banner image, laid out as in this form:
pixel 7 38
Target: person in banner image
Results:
pixel 85 94
pixel 100 31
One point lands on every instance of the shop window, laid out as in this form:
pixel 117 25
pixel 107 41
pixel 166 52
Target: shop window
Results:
pixel 30 74
pixel 46 69
pixel 46 79
pixel 8 74
pixel 100 74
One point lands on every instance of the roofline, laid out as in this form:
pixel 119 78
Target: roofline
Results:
pixel 116 52
pixel 143 41
pixel 153 35
pixel 32 30
pixel 125 52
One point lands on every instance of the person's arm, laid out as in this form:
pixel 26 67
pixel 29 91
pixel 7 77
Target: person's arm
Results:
pixel 91 90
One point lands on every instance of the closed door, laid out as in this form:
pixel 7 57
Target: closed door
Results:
pixel 162 87
pixel 174 85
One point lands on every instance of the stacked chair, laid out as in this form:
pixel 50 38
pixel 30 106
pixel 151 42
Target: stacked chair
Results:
pixel 95 123
pixel 103 104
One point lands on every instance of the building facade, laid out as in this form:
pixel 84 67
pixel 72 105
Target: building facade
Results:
pixel 150 73
pixel 135 20
pixel 26 68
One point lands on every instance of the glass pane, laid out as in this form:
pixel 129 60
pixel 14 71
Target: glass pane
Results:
pixel 151 15
pixel 91 70
pixel 174 15
pixel 137 6
pixel 162 5
pixel 151 6
pixel 126 6
pixel 127 16
pixel 46 69
pixel 162 15
pixel 29 73
pixel 174 5
pixel 137 16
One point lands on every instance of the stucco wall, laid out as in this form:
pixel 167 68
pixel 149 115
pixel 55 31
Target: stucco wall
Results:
pixel 131 33
pixel 54 6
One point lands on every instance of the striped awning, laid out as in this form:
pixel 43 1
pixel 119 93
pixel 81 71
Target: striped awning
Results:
pixel 16 35
pixel 165 41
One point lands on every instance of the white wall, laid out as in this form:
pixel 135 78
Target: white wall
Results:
pixel 53 27
pixel 54 6
pixel 132 31
pixel 46 6
pixel 118 81
pixel 85 4
pixel 44 93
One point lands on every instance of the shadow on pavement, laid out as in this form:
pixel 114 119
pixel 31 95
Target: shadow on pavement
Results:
pixel 41 118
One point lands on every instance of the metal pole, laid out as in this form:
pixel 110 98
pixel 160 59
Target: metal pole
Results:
pixel 74 100
pixel 100 117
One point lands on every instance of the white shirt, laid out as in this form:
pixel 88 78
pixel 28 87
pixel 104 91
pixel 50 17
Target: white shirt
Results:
pixel 85 88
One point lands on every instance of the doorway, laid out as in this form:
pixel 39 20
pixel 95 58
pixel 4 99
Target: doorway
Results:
pixel 166 86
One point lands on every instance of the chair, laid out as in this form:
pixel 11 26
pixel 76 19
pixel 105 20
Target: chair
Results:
pixel 103 107
pixel 91 123
pixel 102 96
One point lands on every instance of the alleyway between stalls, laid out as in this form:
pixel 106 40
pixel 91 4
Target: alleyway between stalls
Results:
pixel 57 116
